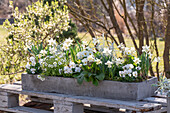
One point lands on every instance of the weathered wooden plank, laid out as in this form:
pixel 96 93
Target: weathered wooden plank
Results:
pixel 42 100
pixel 21 109
pixel 131 105
pixel 17 83
pixel 162 101
pixel 159 95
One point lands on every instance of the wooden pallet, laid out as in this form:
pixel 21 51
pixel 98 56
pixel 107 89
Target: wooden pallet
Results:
pixel 73 104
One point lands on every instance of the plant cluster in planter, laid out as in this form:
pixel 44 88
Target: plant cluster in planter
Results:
pixel 89 61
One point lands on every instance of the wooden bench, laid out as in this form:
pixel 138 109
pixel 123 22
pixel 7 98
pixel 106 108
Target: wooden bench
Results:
pixel 73 104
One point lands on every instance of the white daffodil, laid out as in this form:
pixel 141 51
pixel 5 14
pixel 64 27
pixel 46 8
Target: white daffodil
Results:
pixel 85 43
pixel 91 58
pixel 68 42
pixel 77 69
pixel 121 45
pixel 85 61
pixel 52 50
pixel 145 49
pixel 32 70
pixel 43 52
pixel 133 50
pixel 107 52
pixel 109 63
pixel 150 55
pixel 98 61
pixel 52 42
pixel 119 61
pixel 138 68
pixel 135 74
pixel 137 60
pixel 65 47
pixel 72 64
pixel 27 66
pixel 157 59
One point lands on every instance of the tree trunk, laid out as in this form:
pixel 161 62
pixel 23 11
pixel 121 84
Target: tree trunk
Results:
pixel 167 45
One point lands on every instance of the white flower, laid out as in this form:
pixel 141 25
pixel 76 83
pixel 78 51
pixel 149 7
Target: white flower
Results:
pixel 50 66
pixel 79 55
pixel 67 70
pixel 28 65
pixel 80 65
pixel 60 63
pixel 128 66
pixel 90 53
pixel 135 74
pixel 129 71
pixel 121 73
pixel 41 61
pixel 98 61
pixel 138 68
pixel 85 53
pixel 109 63
pixel 77 69
pixel 52 50
pixel 157 59
pixel 119 61
pixel 51 42
pixel 55 64
pixel 60 70
pixel 150 55
pixel 72 64
pixel 137 60
pixel 40 77
pixel 68 42
pixel 130 75
pixel 107 51
pixel 33 63
pixel 91 58
pixel 32 70
pixel 65 47
pixel 32 59
pixel 43 52
pixel 84 61
pixel 145 49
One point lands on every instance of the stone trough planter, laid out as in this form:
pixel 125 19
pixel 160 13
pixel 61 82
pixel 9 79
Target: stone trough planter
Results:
pixel 105 89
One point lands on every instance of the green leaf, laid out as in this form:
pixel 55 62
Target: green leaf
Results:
pixel 87 79
pixel 100 76
pixel 80 79
pixel 95 81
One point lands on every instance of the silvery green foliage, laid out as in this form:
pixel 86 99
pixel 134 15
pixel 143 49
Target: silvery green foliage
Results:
pixel 163 85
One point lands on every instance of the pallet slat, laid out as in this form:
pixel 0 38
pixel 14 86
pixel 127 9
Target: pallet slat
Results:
pixel 162 101
pixel 21 109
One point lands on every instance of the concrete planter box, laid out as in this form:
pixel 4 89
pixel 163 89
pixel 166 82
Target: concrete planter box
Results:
pixel 105 89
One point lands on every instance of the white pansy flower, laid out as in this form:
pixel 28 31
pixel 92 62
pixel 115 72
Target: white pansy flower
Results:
pixel 40 77
pixel 107 52
pixel 60 71
pixel 72 64
pixel 85 61
pixel 32 59
pixel 55 64
pixel 28 65
pixel 85 53
pixel 91 58
pixel 137 60
pixel 135 74
pixel 138 68
pixel 98 61
pixel 145 49
pixel 77 69
pixel 109 63
pixel 33 63
pixel 32 70
pixel 52 42
pixel 121 73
